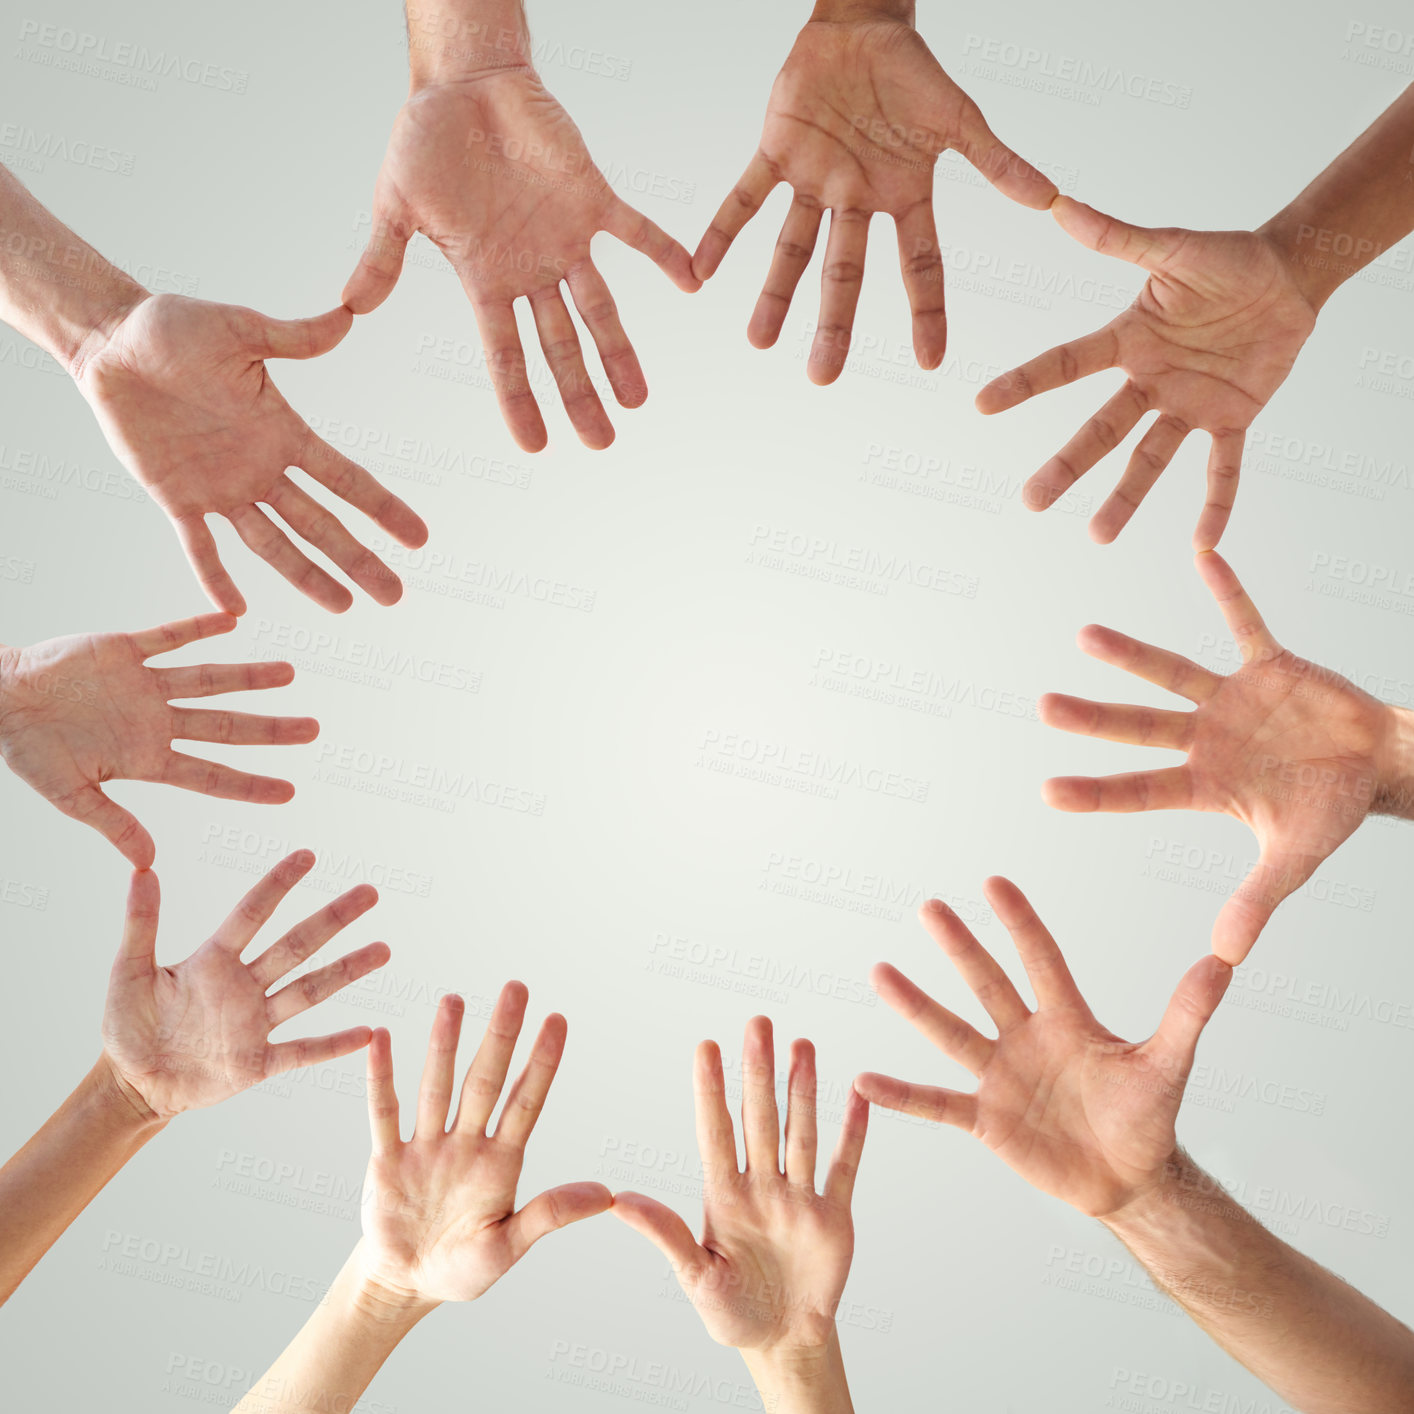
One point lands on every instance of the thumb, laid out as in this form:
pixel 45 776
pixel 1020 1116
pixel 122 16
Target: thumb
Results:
pixel 661 1226
pixel 302 338
pixel 119 827
pixel 1276 875
pixel 554 1209
pixel 381 263
pixel 1191 1007
pixel 137 953
pixel 1146 246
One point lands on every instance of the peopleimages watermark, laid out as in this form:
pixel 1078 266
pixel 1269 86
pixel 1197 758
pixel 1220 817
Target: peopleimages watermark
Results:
pixel 120 61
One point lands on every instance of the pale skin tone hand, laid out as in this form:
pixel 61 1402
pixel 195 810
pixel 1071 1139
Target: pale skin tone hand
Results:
pixel 1296 752
pixel 770 1268
pixel 440 1221
pixel 1209 339
pixel 76 712
pixel 856 121
pixel 183 395
pixel 1075 1110
pixel 494 172
pixel 183 1037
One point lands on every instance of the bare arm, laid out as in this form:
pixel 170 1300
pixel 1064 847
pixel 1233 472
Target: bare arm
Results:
pixel 1319 1343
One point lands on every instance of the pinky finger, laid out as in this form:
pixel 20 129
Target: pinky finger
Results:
pixel 315 1050
pixel 1224 467
pixel 923 1101
pixel 199 546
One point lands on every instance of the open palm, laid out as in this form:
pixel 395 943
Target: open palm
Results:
pixel 440 1221
pixel 76 712
pixel 1075 1110
pixel 856 121
pixel 1293 750
pixel 183 1037
pixel 770 1269
pixel 1209 339
pixel 495 173
pixel 183 396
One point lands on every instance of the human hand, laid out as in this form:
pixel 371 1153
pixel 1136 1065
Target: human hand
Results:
pixel 1075 1110
pixel 184 1037
pixel 1209 339
pixel 78 711
pixel 856 121
pixel 439 1216
pixel 513 227
pixel 771 1267
pixel 182 393
pixel 1296 752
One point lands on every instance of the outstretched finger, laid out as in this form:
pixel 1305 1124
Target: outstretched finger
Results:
pixel 595 303
pixel 637 232
pixel 315 1050
pixel 1276 875
pixel 1039 953
pixel 560 341
pixel 300 338
pixel 794 247
pixel 214 679
pixel 954 1037
pixel 1250 633
pixel 841 279
pixel 741 204
pixel 760 1118
pixel 1179 675
pixel 382 260
pixel 1009 172
pixel 241 728
pixel 505 361
pixel 1055 368
pixel 1101 435
pixel 382 1096
pixel 486 1076
pixel 662 1227
pixel 844 1163
pixel 199 546
pixel 165 638
pixel 224 782
pixel 328 534
pixel 91 807
pixel 439 1069
pixel 1125 794
pixel 253 912
pixel 716 1139
pixel 552 1210
pixel 801 1128
pixel 528 1093
pixel 1224 469
pixel 1146 464
pixel 982 973
pixel 1146 246
pixel 1116 721
pixel 318 986
pixel 922 1101
pixel 1191 1007
pixel 137 952
pixel 274 547
pixel 921 261
pixel 308 936
pixel 363 491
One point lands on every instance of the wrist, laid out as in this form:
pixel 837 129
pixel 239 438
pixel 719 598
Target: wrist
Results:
pixel 784 1369
pixel 450 43
pixel 1394 793
pixel 1178 1185
pixel 1305 249
pixel 116 1099
pixel 379 1300
pixel 858 11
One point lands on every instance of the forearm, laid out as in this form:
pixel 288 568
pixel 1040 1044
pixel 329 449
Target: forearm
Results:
pixel 1357 208
pixel 808 1382
pixel 453 40
pixel 56 290
pixel 56 1175
pixel 1315 1340
pixel 843 11
pixel 1395 794
pixel 342 1346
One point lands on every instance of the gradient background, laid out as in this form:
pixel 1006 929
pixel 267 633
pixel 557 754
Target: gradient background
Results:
pixel 969 1289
